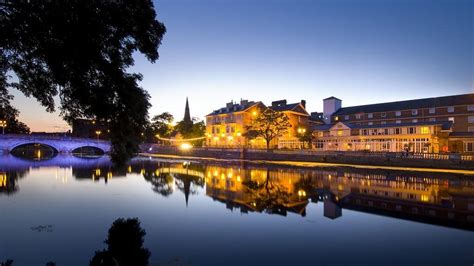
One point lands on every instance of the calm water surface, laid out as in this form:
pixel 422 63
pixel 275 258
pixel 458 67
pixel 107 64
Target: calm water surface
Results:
pixel 208 213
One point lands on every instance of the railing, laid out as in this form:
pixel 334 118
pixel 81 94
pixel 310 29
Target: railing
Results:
pixel 352 154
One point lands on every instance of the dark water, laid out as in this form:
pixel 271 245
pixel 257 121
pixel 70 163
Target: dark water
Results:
pixel 209 213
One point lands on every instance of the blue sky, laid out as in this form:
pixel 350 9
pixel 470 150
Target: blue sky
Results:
pixel 359 51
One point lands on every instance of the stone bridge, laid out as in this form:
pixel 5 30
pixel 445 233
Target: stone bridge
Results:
pixel 60 144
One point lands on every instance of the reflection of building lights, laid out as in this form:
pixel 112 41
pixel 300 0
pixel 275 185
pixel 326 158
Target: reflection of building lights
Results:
pixel 301 193
pixel 222 176
pixel 239 134
pixel 216 173
pixel 97 172
pixel 222 135
pixel 216 138
pixel 425 198
pixel 230 138
pixel 3 180
pixel 185 146
pixel 109 174
pixel 129 169
pixel 238 178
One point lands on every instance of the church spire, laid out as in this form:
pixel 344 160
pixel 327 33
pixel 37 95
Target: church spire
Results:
pixel 187 115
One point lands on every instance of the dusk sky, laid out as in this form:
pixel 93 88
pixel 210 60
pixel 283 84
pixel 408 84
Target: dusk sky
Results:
pixel 359 51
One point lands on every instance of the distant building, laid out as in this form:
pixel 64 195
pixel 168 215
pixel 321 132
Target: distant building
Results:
pixel 439 124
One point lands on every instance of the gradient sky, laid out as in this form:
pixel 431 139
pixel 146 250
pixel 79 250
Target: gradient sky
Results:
pixel 359 51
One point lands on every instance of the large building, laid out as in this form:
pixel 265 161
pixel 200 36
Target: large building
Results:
pixel 440 124
pixel 226 127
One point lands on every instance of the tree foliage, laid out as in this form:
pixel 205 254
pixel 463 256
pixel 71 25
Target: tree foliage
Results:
pixel 80 51
pixel 268 125
pixel 161 124
pixel 10 115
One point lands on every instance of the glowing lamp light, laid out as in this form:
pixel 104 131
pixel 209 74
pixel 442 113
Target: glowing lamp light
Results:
pixel 230 138
pixel 222 135
pixel 239 134
pixel 254 113
pixel 216 138
pixel 185 146
pixel 301 193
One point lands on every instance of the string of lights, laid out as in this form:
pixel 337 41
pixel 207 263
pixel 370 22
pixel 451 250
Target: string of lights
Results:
pixel 180 140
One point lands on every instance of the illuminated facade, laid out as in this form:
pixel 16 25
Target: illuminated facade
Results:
pixel 422 137
pixel 435 113
pixel 298 118
pixel 225 127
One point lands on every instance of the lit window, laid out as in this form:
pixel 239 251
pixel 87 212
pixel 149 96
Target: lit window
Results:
pixel 320 134
pixel 370 115
pixel 425 130
pixel 336 118
pixel 346 117
pixel 415 120
pixel 398 113
pixel 470 119
pixel 339 132
pixel 470 107
pixel 451 119
pixel 432 110
pixel 451 109
pixel 432 119
pixel 398 121
pixel 370 123
pixel 414 112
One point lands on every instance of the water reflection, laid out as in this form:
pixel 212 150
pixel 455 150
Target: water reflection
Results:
pixel 444 199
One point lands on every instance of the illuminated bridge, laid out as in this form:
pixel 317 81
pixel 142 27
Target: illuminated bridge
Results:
pixel 58 144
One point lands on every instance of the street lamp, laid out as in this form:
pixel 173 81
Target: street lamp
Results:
pixel 98 132
pixel 3 124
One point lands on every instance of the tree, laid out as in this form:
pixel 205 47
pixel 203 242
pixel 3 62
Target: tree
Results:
pixel 80 51
pixel 269 125
pixel 161 124
pixel 10 115
pixel 306 137
pixel 194 130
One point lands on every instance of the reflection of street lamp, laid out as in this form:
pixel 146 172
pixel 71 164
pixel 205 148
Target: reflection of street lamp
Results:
pixel 3 124
pixel 98 132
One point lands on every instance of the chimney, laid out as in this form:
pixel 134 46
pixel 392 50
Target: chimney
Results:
pixel 303 102
pixel 330 106
pixel 229 105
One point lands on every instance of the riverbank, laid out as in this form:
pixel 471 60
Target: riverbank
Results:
pixel 308 159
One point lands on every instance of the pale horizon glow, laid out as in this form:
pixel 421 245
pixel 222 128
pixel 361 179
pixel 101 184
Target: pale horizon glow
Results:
pixel 363 53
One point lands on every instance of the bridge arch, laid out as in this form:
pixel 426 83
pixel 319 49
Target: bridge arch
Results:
pixel 88 151
pixel 34 150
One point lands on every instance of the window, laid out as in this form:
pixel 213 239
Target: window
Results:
pixel 470 119
pixel 470 129
pixel 398 121
pixel 411 130
pixel 469 146
pixel 365 132
pixel 470 107
pixel 414 120
pixel 346 117
pixel 425 130
pixel 370 123
pixel 383 122
pixel 336 118
pixel 370 115
pixel 320 134
pixel 414 112
pixel 432 119
pixel 385 131
pixel 398 131
pixel 383 114
pixel 398 113
pixel 339 132
pixel 432 110
pixel 451 119
pixel 357 116
pixel 451 109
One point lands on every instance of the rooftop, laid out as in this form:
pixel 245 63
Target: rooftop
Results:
pixel 454 100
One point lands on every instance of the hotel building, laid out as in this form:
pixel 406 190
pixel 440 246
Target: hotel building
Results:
pixel 226 127
pixel 441 124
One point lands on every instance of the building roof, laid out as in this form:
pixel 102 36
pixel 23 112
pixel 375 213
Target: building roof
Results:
pixel 462 134
pixel 281 106
pixel 445 125
pixel 332 97
pixel 235 108
pixel 462 99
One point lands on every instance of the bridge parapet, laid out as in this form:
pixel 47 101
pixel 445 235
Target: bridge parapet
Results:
pixel 62 144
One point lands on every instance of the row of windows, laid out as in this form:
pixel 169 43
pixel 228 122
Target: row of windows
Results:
pixel 228 129
pixel 431 119
pixel 449 109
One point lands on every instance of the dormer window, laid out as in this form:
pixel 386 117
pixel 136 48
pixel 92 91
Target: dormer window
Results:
pixel 414 112
pixel 451 109
pixel 370 115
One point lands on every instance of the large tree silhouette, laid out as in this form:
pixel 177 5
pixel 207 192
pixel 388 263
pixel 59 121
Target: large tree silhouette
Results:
pixel 79 52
